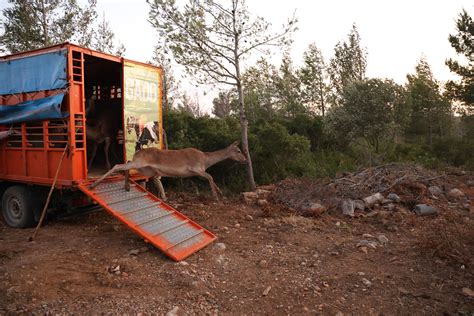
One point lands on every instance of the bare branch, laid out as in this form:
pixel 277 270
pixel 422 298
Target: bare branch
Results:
pixel 268 41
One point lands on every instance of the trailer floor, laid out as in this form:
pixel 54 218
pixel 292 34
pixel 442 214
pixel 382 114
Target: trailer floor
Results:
pixel 96 172
pixel 271 264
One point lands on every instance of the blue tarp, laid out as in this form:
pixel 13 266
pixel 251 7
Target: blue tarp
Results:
pixel 34 110
pixel 34 73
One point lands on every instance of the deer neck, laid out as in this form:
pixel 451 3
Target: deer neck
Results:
pixel 216 156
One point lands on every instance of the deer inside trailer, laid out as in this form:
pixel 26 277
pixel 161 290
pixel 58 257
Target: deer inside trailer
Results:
pixel 95 106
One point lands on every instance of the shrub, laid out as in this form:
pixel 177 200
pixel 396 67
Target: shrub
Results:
pixel 277 154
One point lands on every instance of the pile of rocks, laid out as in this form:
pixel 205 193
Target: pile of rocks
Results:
pixel 389 188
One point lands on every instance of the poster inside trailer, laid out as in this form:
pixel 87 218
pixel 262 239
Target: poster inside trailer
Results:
pixel 142 107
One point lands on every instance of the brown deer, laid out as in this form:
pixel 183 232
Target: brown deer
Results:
pixel 102 127
pixel 189 162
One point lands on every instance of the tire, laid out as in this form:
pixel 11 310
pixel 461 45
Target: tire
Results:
pixel 18 206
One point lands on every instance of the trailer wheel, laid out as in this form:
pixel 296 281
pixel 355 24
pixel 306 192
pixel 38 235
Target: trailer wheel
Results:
pixel 18 207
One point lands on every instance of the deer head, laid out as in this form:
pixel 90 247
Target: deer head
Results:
pixel 235 153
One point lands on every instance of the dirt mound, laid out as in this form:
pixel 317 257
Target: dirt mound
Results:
pixel 399 186
pixel 392 197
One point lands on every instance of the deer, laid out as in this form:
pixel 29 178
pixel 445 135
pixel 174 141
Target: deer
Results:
pixel 183 163
pixel 102 127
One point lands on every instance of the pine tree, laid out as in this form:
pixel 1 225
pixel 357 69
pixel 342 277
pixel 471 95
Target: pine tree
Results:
pixel 222 105
pixel 190 105
pixel 170 83
pixel 430 111
pixel 104 40
pixel 348 64
pixel 261 95
pixel 34 24
pixel 314 79
pixel 463 43
pixel 288 88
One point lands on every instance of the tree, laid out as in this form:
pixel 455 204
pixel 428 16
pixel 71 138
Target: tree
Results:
pixel 348 64
pixel 271 153
pixel 430 111
pixel 313 76
pixel 34 24
pixel 260 93
pixel 222 105
pixel 212 41
pixel 367 111
pixel 170 83
pixel 463 43
pixel 288 89
pixel 190 106
pixel 104 40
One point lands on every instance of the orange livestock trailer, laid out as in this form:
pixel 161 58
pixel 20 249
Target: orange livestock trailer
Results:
pixel 33 155
pixel 46 100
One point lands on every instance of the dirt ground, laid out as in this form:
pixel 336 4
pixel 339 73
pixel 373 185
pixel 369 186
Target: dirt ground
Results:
pixel 267 260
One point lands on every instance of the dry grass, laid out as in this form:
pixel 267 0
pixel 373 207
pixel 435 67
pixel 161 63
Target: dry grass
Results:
pixel 449 239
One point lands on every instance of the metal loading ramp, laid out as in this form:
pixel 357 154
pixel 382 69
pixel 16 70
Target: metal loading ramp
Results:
pixel 148 216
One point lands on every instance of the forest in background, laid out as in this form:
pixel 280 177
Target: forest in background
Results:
pixel 316 120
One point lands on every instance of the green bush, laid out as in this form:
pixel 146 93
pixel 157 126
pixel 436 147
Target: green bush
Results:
pixel 455 151
pixel 206 134
pixel 419 153
pixel 277 154
pixel 330 162
pixel 301 146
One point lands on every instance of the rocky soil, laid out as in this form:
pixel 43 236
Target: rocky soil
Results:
pixel 300 246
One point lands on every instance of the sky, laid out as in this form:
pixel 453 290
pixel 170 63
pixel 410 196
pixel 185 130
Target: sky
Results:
pixel 396 33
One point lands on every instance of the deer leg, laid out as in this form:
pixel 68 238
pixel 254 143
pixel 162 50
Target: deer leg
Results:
pixel 215 189
pixel 157 183
pixel 127 181
pixel 106 152
pixel 113 151
pixel 94 151
pixel 116 168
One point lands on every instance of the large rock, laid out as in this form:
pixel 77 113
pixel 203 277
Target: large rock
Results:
pixel 314 209
pixel 373 199
pixel 220 246
pixel 456 194
pixel 425 209
pixel 347 207
pixel 435 190
pixel 249 197
pixel 382 239
pixel 263 194
pixel 394 197
pixel 173 312
pixel 359 205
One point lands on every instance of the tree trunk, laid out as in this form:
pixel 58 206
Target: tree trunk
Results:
pixel 245 141
pixel 321 98
pixel 430 131
pixel 44 25
pixel 243 118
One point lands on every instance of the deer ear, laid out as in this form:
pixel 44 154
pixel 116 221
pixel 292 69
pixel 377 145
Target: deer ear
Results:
pixel 236 143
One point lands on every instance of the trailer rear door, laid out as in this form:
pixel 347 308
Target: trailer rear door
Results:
pixel 142 103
